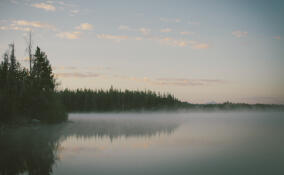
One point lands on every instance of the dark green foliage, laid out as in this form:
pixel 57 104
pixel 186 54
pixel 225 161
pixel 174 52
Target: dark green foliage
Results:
pixel 43 78
pixel 12 86
pixel 115 100
pixel 87 100
pixel 28 95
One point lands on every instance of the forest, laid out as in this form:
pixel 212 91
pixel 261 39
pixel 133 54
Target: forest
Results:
pixel 31 94
pixel 87 100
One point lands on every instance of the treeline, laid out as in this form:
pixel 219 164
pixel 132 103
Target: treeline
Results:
pixel 87 100
pixel 28 94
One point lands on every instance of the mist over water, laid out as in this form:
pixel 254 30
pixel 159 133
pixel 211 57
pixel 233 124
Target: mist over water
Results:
pixel 148 143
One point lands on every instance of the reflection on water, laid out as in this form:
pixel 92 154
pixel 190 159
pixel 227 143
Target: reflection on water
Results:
pixel 182 143
pixel 35 149
pixel 118 126
pixel 32 150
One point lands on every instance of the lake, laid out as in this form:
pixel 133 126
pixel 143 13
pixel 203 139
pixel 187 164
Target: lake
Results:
pixel 148 143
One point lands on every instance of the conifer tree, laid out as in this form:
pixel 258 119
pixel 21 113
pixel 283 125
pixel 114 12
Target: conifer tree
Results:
pixel 42 72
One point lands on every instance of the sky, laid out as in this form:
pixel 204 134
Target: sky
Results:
pixel 200 51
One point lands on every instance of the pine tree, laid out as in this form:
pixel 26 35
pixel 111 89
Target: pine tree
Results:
pixel 45 105
pixel 42 72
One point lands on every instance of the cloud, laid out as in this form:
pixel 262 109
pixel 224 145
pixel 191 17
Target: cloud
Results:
pixel 166 30
pixel 85 26
pixel 124 27
pixel 170 20
pixel 173 42
pixel 44 6
pixel 117 38
pixel 35 24
pixel 77 75
pixel 84 68
pixel 26 29
pixel 239 33
pixel 180 42
pixel 200 46
pixel 185 82
pixel 68 35
pixel 175 81
pixel 145 31
pixel 163 40
pixel 64 67
pixel 186 33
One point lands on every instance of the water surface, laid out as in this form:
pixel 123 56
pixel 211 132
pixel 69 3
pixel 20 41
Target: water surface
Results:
pixel 148 143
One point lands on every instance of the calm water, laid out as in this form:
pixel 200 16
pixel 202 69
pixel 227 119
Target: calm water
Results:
pixel 148 143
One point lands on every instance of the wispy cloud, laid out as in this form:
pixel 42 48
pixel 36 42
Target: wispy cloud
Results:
pixel 182 43
pixel 173 42
pixel 170 20
pixel 77 75
pixel 165 30
pixel 145 31
pixel 44 6
pixel 185 82
pixel 85 26
pixel 147 36
pixel 84 68
pixel 175 81
pixel 142 30
pixel 64 67
pixel 239 33
pixel 35 24
pixel 69 35
pixel 15 28
pixel 23 25
pixel 117 38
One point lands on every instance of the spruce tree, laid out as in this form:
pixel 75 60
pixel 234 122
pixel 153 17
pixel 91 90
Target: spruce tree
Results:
pixel 42 72
pixel 45 105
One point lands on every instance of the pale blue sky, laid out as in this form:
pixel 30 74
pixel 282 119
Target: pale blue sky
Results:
pixel 200 51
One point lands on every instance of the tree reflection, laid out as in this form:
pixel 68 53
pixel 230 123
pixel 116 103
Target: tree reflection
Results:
pixel 28 149
pixel 119 127
pixel 34 149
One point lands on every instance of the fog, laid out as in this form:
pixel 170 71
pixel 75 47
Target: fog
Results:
pixel 148 143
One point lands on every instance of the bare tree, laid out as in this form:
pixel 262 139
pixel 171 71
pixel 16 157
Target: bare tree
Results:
pixel 29 48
